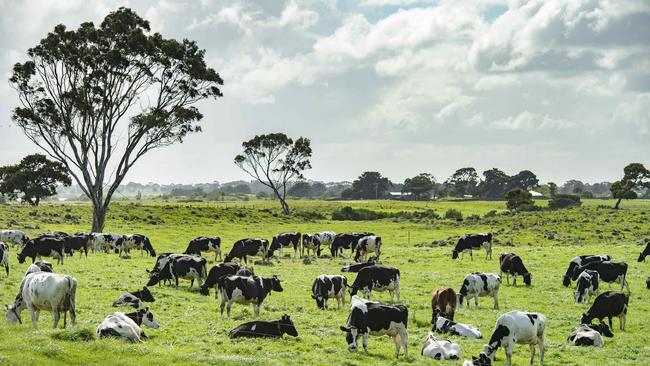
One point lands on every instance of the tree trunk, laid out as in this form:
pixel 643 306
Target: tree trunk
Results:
pixel 99 217
pixel 285 206
pixel 617 203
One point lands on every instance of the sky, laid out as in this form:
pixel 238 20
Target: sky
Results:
pixel 561 88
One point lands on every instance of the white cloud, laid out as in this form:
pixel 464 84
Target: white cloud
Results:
pixel 636 112
pixel 527 121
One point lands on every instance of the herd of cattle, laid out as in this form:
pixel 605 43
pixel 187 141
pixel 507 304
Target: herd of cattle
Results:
pixel 41 289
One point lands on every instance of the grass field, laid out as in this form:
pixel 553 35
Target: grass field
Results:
pixel 192 331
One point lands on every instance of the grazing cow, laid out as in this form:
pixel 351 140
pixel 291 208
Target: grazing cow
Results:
pixel 356 267
pixel 42 247
pixel 346 241
pixel 440 349
pixel 468 242
pixel 443 302
pixel 645 252
pixel 127 326
pixel 105 242
pixel 132 241
pixel 265 329
pixel 441 324
pixel 15 237
pixel 45 291
pixel 608 272
pixel 247 290
pixel 377 278
pixel 329 287
pixel 188 267
pixel 216 272
pixel 373 318
pixel 284 240
pixel 314 242
pixel 371 243
pixel 517 327
pixel 245 247
pixel 511 264
pixel 4 256
pixel 39 266
pixel 205 244
pixel 590 335
pixel 607 305
pixel 581 261
pixel 481 360
pixel 245 271
pixel 480 284
pixel 77 242
pixel 135 298
pixel 587 285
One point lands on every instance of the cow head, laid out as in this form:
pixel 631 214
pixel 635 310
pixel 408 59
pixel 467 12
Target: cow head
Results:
pixel 586 319
pixel 454 254
pixel 351 335
pixel 145 295
pixel 154 278
pixel 353 290
pixel 228 258
pixel 566 280
pixel 275 284
pixel 576 273
pixel 603 329
pixel 148 247
pixel 286 326
pixel 528 278
pixel 491 348
pixel 13 313
pixel 481 360
pixel 148 318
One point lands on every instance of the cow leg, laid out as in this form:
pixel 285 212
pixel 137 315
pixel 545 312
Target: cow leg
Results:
pixel 57 316
pixel 365 341
pixel 496 301
pixel 609 318
pixel 397 342
pixel 256 310
pixel 532 354
pixel 33 313
pixel 223 302
pixel 176 279
pixel 621 320
pixel 508 350
pixel 392 294
pixel 404 338
pixel 192 283
pixel 475 301
pixel 507 278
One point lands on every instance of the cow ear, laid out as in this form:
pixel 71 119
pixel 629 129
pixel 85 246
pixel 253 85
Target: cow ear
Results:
pixel 6 307
pixel 313 297
pixel 148 271
pixel 344 329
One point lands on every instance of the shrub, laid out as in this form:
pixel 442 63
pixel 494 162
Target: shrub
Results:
pixel 560 201
pixel 453 214
pixel 348 213
pixel 519 199
pixel 492 213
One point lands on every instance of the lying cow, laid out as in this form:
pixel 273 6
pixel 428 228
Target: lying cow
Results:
pixel 441 324
pixel 517 327
pixel 329 287
pixel 480 284
pixel 188 267
pixel 39 266
pixel 579 262
pixel 590 335
pixel 314 242
pixel 127 326
pixel 481 360
pixel 245 247
pixel 45 291
pixel 246 290
pixel 205 244
pixel 259 328
pixel 135 298
pixel 4 256
pixel 43 247
pixel 373 318
pixel 377 278
pixel 136 241
pixel 443 302
pixel 511 264
pixel 587 285
pixel 440 349
pixel 356 267
pixel 284 240
pixel 216 272
pixel 368 244
pixel 15 237
pixel 607 305
pixel 468 242
pixel 78 242
pixel 608 272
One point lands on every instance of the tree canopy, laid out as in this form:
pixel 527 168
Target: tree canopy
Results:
pixel 33 179
pixel 421 186
pixel 370 185
pixel 463 182
pixel 635 177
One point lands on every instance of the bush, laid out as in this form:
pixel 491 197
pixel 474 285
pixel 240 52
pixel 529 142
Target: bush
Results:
pixel 519 199
pixel 361 214
pixel 560 201
pixel 454 214
pixel 492 213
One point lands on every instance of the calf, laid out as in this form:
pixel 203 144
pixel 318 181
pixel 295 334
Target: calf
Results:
pixel 284 240
pixel 481 360
pixel 517 327
pixel 127 326
pixel 205 244
pixel 15 237
pixel 590 335
pixel 315 241
pixel 443 302
pixel 216 272
pixel 480 284
pixel 372 318
pixel 245 247
pixel 377 278
pixel 247 290
pixel 587 285
pixel 607 305
pixel 42 247
pixel 356 267
pixel 371 243
pixel 346 241
pixel 511 264
pixel 4 256
pixel 105 242
pixel 79 242
pixel 329 287
pixel 645 252
pixel 139 241
pixel 265 329
pixel 440 349
pixel 45 291
pixel 135 298
pixel 184 266
pixel 468 242
pixel 39 266
pixel 608 272
pixel 581 261
pixel 443 325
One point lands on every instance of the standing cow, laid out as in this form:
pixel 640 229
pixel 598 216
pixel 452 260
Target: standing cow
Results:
pixel 511 264
pixel 443 302
pixel 368 244
pixel 581 261
pixel 329 287
pixel 480 284
pixel 645 252
pixel 608 272
pixel 468 242
pixel 205 244
pixel 216 272
pixel 4 256
pixel 105 242
pixel 189 267
pixel 346 241
pixel 245 247
pixel 136 241
pixel 517 327
pixel 377 278
pixel 284 240
pixel 609 304
pixel 43 247
pixel 247 290
pixel 314 242
pixel 15 237
pixel 588 283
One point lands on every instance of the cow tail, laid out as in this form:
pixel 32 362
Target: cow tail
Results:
pixel 69 298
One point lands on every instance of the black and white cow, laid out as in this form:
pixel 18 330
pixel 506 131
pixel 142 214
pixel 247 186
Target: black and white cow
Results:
pixel 43 247
pixel 127 326
pixel 468 242
pixel 4 256
pixel 105 242
pixel 245 247
pixel 329 287
pixel 590 335
pixel 511 264
pixel 284 240
pixel 247 290
pixel 587 285
pixel 44 291
pixel 15 237
pixel 314 242
pixel 346 241
pixel 265 329
pixel 245 271
pixel 517 327
pixel 136 241
pixel 581 261
pixel 39 266
pixel 373 318
pixel 205 244
pixel 440 349
pixel 443 325
pixel 368 244
pixel 356 267
pixel 135 298
pixel 481 360
pixel 189 267
pixel 216 272
pixel 644 253
pixel 609 304
pixel 609 272
pixel 78 242
pixel 480 284
pixel 377 278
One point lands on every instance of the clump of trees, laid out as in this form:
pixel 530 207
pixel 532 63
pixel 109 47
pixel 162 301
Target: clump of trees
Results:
pixel 420 187
pixel 370 185
pixel 33 179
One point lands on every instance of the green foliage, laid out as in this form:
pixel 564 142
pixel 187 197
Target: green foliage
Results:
pixel 564 201
pixel 360 214
pixel 519 199
pixel 421 186
pixel 463 182
pixel 635 177
pixel 370 185
pixel 453 214
pixel 33 179
pixel 74 335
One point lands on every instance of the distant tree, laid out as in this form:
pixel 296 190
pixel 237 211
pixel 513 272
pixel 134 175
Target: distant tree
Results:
pixel 570 186
pixel 275 160
pixel 519 199
pixel 347 193
pixel 553 188
pixel 635 177
pixel 262 195
pixel 78 88
pixel 33 179
pixel 370 185
pixel 300 189
pixel 494 184
pixel 138 197
pixel 240 188
pixel 318 189
pixel 463 182
pixel 421 186
pixel 564 201
pixel 525 179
